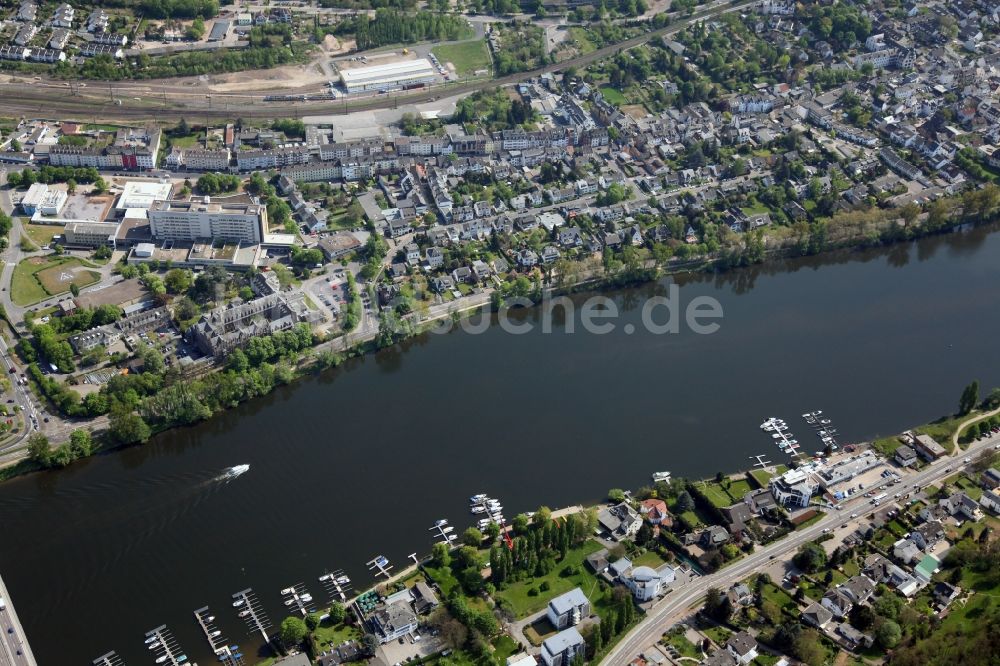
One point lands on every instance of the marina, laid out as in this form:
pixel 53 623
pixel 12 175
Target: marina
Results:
pixel 336 584
pixel 153 504
pixel 229 655
pixel 248 608
pixel 824 429
pixel 779 432
pixel 164 647
pixel 109 659
pixel 298 598
pixel 443 531
pixel 380 565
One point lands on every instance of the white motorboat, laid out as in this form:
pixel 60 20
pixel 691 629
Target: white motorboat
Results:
pixel 441 522
pixel 162 659
pixel 235 471
pixel 154 645
pixel 477 499
pixel 238 603
pixel 288 590
pixel 289 602
pixel 150 640
pixel 243 613
pixel 478 509
pixel 306 598
pixel 324 577
pixel 343 580
pixel 661 476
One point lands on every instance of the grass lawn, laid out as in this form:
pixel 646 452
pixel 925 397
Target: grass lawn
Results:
pixel 886 445
pixel 737 489
pixel 523 604
pixel 504 647
pixel 189 141
pixel 467 57
pixel 715 494
pixel 649 559
pixel 330 635
pixel 613 96
pixel 719 635
pixel 761 477
pixel 686 648
pixel 38 278
pixel 851 568
pixel 42 234
pixel 777 596
pixel 756 209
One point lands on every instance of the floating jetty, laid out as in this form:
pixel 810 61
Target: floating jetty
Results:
pixel 164 647
pixel 336 584
pixel 380 564
pixel 779 432
pixel 824 428
pixel 110 659
pixel 248 607
pixel 443 531
pixel 297 597
pixel 229 655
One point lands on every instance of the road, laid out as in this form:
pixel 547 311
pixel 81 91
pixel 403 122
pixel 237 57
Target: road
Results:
pixel 162 100
pixel 14 648
pixel 663 615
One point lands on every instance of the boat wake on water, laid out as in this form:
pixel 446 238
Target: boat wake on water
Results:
pixel 233 472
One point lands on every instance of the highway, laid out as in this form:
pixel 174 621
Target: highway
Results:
pixel 14 648
pixel 161 100
pixel 676 604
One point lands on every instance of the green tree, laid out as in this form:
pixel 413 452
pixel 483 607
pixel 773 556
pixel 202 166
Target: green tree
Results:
pixel 888 634
pixel 616 495
pixel 472 537
pixel 178 280
pixel 969 399
pixel 337 612
pixel 127 427
pixel 81 443
pixel 38 449
pixel 293 631
pixel 810 557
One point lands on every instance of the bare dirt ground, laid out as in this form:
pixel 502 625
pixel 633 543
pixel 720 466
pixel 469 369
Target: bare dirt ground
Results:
pixel 288 76
pixel 637 111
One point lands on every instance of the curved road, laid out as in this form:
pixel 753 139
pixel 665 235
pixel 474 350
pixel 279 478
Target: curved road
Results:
pixel 163 101
pixel 660 618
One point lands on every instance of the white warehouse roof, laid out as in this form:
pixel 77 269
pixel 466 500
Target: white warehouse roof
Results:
pixel 406 70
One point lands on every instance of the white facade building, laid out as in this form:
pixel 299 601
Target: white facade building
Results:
pixel 204 219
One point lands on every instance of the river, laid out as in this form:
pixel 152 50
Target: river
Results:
pixel 361 460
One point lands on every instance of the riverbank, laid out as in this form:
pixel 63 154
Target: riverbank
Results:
pixel 332 353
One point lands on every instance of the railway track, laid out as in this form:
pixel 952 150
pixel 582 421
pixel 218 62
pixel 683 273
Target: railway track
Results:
pixel 161 102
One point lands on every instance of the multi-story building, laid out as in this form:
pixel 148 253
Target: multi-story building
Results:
pixel 63 16
pixel 258 160
pixel 203 218
pixel 205 160
pixel 563 648
pixel 90 234
pixel 231 326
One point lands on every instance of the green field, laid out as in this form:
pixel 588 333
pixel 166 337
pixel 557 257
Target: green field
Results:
pixel 467 57
pixel 524 604
pixel 37 278
pixel 582 40
pixel 42 234
pixel 613 96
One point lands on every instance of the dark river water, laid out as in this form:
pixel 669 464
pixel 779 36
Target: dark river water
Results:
pixel 362 460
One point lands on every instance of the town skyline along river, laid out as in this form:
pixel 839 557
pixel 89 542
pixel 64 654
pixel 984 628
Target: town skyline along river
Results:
pixel 361 460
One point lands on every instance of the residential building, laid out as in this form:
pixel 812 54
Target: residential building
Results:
pixel 393 620
pixel 620 521
pixel 227 327
pixel 742 646
pixel 568 609
pixel 562 649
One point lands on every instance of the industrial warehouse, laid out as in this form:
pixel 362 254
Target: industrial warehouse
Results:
pixel 389 76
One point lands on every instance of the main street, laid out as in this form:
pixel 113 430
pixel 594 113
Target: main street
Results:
pixel 673 606
pixel 159 100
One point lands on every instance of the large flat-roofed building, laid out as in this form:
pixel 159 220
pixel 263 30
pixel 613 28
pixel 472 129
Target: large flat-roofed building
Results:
pixel 142 194
pixel 388 76
pixel 202 218
pixel 90 234
pixel 41 199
